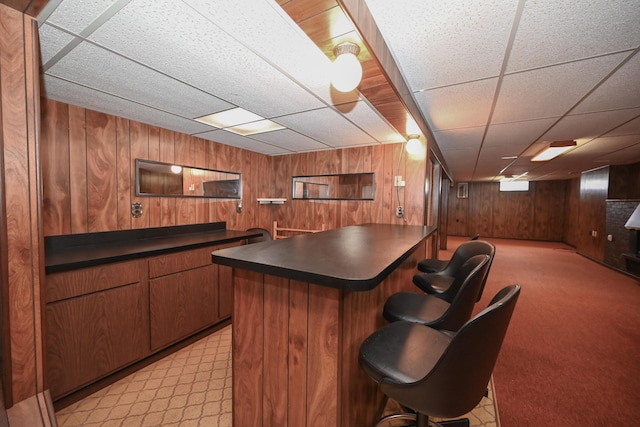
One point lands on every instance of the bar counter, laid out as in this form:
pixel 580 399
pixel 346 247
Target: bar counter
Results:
pixel 302 306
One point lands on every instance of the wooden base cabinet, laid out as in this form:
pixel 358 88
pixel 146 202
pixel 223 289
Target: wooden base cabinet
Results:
pixel 97 321
pixel 181 304
pixel 101 319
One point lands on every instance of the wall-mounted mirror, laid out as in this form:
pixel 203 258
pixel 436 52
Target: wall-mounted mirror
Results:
pixel 165 179
pixel 346 186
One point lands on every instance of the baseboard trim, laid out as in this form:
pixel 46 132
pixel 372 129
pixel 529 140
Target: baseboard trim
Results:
pixel 35 411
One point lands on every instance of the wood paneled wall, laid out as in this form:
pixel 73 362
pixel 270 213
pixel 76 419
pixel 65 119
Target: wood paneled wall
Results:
pixel 537 214
pixel 89 178
pixel 20 231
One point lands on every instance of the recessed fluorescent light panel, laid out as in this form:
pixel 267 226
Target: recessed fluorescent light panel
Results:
pixel 260 126
pixel 554 150
pixel 240 121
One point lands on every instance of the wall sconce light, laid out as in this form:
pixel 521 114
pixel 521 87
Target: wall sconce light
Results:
pixel 554 150
pixel 346 70
pixel 414 147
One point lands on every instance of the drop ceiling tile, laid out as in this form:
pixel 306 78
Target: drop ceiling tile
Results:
pixel 458 106
pixel 621 90
pixel 516 137
pixel 204 56
pixel 440 43
pixel 76 15
pixel 605 145
pixel 588 126
pixel 362 114
pixel 555 31
pixel 327 126
pixel 229 138
pixel 624 156
pixel 105 71
pixel 52 41
pixel 490 163
pixel 290 141
pixel 63 91
pixel 468 140
pixel 264 27
pixel 549 92
pixel 632 127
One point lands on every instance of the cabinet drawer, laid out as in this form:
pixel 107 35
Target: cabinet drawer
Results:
pixel 69 284
pixel 180 261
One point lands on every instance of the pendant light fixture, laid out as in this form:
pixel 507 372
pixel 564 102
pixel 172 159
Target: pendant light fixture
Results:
pixel 346 70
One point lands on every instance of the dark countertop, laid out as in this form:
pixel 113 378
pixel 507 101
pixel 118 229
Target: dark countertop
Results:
pixel 354 258
pixel 70 252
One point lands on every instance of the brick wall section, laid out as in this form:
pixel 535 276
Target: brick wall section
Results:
pixel 618 212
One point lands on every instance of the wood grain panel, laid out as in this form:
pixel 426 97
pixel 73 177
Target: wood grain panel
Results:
pixel 84 281
pixel 101 172
pixel 377 167
pixel 181 304
pixel 81 333
pixel 139 147
pixel 56 204
pixel 20 199
pixel 276 304
pixel 323 394
pixel 480 204
pixel 77 169
pixel 126 193
pixel 298 351
pixel 166 153
pixel 154 203
pixel 248 342
pixel 301 10
pixel 549 197
pixel 414 204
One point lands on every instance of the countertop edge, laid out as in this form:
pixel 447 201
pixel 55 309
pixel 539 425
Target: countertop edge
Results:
pixel 148 247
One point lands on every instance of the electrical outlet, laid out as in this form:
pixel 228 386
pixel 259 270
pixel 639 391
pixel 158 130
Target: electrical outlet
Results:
pixel 399 211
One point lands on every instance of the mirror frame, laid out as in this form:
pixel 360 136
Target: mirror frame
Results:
pixel 236 196
pixel 307 178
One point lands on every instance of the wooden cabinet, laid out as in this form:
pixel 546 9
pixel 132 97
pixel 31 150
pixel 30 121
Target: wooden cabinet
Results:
pixel 97 321
pixel 183 295
pixel 101 319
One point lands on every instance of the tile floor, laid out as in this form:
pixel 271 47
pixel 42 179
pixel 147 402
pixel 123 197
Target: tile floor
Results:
pixel 190 388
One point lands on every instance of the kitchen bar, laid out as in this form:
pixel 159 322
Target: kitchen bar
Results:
pixel 302 306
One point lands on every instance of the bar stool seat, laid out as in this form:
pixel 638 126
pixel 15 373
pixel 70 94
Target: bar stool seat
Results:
pixel 436 312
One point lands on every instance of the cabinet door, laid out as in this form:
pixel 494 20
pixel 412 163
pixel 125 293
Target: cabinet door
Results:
pixel 182 303
pixel 91 335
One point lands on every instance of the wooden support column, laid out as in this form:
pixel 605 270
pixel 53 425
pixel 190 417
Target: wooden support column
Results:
pixel 20 226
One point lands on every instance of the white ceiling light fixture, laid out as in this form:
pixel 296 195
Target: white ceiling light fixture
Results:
pixel 414 147
pixel 346 71
pixel 176 169
pixel 554 150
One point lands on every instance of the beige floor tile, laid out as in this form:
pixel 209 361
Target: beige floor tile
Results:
pixel 191 387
